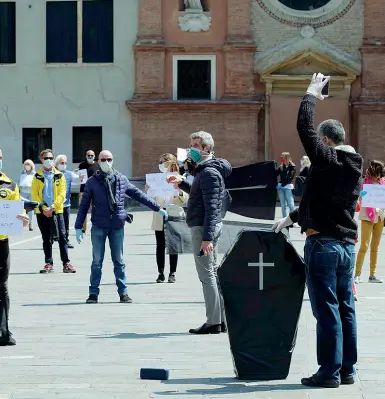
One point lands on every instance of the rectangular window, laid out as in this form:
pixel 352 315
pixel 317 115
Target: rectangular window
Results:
pixel 86 138
pixel 80 31
pixel 194 77
pixel 61 32
pixel 36 140
pixel 7 32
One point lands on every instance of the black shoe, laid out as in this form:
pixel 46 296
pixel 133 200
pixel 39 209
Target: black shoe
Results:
pixel 125 299
pixel 92 299
pixel 69 245
pixel 347 379
pixel 223 327
pixel 171 278
pixel 207 329
pixel 10 342
pixel 316 381
pixel 160 278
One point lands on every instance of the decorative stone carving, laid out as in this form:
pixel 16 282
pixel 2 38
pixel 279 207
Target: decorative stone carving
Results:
pixel 307 31
pixel 194 21
pixel 193 5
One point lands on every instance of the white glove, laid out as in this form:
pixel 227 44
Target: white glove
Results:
pixel 282 223
pixel 318 82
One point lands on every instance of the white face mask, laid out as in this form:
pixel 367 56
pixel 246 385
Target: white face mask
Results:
pixel 106 166
pixel 162 167
pixel 28 168
pixel 90 159
pixel 48 163
pixel 61 167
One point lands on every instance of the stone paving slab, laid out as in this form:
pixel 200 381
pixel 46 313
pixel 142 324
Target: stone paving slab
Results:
pixel 67 349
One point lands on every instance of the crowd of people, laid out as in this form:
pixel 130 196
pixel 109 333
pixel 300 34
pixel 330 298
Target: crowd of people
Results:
pixel 330 184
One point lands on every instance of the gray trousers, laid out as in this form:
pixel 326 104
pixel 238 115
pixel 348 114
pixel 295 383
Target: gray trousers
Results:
pixel 207 272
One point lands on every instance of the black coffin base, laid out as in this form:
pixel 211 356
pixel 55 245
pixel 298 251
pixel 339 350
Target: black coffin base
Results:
pixel 262 314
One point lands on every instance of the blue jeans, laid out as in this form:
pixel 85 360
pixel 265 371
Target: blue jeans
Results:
pixel 98 239
pixel 287 199
pixel 329 277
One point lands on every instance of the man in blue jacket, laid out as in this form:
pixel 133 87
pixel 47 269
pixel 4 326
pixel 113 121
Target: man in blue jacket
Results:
pixel 106 190
pixel 204 217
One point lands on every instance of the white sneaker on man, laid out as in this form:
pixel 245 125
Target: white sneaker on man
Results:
pixel 357 279
pixel 374 279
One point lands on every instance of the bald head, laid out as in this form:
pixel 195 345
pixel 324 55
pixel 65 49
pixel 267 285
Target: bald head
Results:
pixel 106 160
pixel 105 154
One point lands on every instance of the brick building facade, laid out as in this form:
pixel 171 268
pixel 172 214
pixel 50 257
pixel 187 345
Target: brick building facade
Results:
pixel 238 69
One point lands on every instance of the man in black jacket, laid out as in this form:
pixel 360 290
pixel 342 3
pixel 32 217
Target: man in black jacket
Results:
pixel 326 215
pixel 204 217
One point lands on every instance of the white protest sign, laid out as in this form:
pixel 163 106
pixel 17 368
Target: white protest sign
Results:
pixel 159 186
pixel 375 197
pixel 9 224
pixel 83 176
pixel 181 154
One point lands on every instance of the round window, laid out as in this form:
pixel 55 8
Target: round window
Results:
pixel 304 5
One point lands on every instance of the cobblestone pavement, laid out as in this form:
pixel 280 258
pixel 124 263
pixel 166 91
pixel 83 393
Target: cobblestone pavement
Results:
pixel 69 350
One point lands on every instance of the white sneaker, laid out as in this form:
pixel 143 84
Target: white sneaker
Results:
pixel 357 279
pixel 374 279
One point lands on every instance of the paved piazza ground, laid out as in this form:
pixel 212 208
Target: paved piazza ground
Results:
pixel 69 350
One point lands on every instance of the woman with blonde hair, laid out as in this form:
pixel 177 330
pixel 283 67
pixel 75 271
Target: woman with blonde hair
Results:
pixel 167 164
pixel 305 166
pixel 25 183
pixel 372 225
pixel 286 173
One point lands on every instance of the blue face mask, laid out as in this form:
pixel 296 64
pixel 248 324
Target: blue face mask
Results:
pixel 195 155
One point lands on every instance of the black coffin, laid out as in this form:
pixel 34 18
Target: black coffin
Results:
pixel 262 304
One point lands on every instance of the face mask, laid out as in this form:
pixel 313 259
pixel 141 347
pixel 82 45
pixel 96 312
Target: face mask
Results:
pixel 282 160
pixel 28 168
pixel 195 155
pixel 106 166
pixel 163 168
pixel 90 159
pixel 62 167
pixel 48 163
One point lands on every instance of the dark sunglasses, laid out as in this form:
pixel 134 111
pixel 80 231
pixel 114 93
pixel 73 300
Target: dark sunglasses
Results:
pixel 106 160
pixel 47 158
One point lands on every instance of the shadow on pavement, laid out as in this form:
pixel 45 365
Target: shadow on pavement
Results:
pixel 138 336
pixel 108 303
pixel 228 386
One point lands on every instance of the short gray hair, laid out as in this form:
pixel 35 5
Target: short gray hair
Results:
pixel 59 157
pixel 206 139
pixel 333 130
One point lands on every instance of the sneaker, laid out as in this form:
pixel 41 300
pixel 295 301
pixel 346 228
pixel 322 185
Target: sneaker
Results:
pixel 48 268
pixel 125 299
pixel 317 381
pixel 357 279
pixel 160 278
pixel 374 279
pixel 69 245
pixel 92 299
pixel 171 278
pixel 30 227
pixel 68 268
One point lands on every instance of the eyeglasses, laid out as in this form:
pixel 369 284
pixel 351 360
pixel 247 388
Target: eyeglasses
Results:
pixel 90 156
pixel 106 160
pixel 48 158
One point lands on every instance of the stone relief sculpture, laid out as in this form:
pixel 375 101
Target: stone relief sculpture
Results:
pixel 193 5
pixel 194 18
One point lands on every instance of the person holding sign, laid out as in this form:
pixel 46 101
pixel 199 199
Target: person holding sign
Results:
pixel 372 225
pixel 167 164
pixel 106 190
pixel 326 215
pixel 9 191
pixel 49 190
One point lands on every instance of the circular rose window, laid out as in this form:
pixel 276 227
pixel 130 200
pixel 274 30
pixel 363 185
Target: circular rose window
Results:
pixel 304 5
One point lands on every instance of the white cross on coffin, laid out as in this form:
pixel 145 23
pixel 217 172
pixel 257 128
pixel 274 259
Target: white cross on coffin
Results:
pixel 261 265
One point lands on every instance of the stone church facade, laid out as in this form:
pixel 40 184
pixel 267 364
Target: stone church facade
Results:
pixel 239 68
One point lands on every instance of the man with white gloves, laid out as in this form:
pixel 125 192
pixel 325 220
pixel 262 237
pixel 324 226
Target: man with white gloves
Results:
pixel 326 215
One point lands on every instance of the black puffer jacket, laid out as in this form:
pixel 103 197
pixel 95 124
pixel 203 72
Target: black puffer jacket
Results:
pixel 207 191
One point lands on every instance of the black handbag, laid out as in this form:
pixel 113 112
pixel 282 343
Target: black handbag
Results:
pixel 129 218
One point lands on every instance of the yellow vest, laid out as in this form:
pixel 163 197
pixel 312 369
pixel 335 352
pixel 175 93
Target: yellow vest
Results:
pixel 8 192
pixel 59 190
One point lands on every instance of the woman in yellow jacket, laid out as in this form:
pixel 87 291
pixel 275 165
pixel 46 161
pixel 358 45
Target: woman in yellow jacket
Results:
pixel 167 164
pixel 49 189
